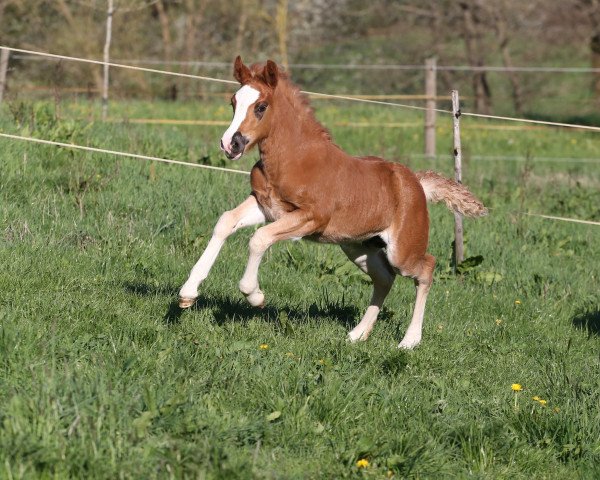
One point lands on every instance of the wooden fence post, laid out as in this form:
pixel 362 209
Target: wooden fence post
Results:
pixel 4 54
pixel 458 223
pixel 109 15
pixel 430 93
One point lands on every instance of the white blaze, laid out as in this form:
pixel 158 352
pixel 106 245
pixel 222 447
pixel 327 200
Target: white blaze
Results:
pixel 244 97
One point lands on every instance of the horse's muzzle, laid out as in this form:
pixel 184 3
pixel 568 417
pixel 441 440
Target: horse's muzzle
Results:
pixel 237 146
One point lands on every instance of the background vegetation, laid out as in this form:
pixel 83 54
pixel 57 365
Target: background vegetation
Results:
pixel 102 376
pixel 203 36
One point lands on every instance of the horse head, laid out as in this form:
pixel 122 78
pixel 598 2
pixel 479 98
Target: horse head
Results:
pixel 252 107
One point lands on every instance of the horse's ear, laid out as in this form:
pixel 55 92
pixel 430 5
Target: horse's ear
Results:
pixel 240 71
pixel 271 73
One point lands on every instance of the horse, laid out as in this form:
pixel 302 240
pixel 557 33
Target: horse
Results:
pixel 304 186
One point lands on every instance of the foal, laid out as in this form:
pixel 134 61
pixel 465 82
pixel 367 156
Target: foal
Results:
pixel 307 187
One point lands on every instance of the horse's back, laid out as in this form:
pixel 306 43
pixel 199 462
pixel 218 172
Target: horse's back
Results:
pixel 406 187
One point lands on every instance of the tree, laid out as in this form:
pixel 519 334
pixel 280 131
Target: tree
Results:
pixel 165 30
pixel 472 32
pixel 591 11
pixel 500 15
pixel 194 13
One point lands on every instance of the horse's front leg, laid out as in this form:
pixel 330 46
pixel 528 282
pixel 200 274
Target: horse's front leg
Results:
pixel 296 224
pixel 244 215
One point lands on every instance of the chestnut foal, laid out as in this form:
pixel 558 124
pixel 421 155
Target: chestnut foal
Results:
pixel 307 187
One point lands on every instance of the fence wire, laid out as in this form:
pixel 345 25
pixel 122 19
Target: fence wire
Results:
pixel 318 94
pixel 228 170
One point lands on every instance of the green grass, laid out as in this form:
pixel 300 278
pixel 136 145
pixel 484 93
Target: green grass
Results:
pixel 101 376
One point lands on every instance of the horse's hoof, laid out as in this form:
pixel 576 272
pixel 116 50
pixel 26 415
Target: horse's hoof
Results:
pixel 408 344
pixel 256 299
pixel 356 338
pixel 186 302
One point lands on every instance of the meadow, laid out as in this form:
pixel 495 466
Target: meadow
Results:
pixel 102 376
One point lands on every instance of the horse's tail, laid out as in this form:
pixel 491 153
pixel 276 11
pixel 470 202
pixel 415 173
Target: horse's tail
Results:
pixel 456 196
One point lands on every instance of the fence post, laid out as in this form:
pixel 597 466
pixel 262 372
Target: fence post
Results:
pixel 430 93
pixel 109 15
pixel 458 223
pixel 4 54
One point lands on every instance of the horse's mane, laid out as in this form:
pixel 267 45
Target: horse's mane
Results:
pixel 299 100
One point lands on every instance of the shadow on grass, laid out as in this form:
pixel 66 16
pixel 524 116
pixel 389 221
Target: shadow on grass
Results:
pixel 146 290
pixel 226 309
pixel 394 362
pixel 588 321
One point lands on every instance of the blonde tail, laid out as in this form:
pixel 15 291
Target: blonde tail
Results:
pixel 456 196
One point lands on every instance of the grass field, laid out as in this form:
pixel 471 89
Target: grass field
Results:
pixel 101 375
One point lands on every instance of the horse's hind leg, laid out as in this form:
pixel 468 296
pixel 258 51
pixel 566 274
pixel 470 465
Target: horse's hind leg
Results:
pixel 244 215
pixel 412 337
pixel 373 262
pixel 420 268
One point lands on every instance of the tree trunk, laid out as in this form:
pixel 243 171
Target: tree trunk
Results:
pixel 472 37
pixel 502 32
pixel 281 24
pixel 517 94
pixel 193 19
pixel 165 31
pixel 595 48
pixel 445 77
pixel 2 8
pixel 243 18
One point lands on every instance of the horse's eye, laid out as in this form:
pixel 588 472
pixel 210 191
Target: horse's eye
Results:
pixel 260 109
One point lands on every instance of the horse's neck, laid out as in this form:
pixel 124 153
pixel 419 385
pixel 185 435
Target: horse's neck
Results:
pixel 290 132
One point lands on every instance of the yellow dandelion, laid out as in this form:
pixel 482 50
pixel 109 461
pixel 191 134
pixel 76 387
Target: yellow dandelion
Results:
pixel 516 387
pixel 536 398
pixel 498 322
pixel 542 402
pixel 263 346
pixel 517 302
pixel 362 463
